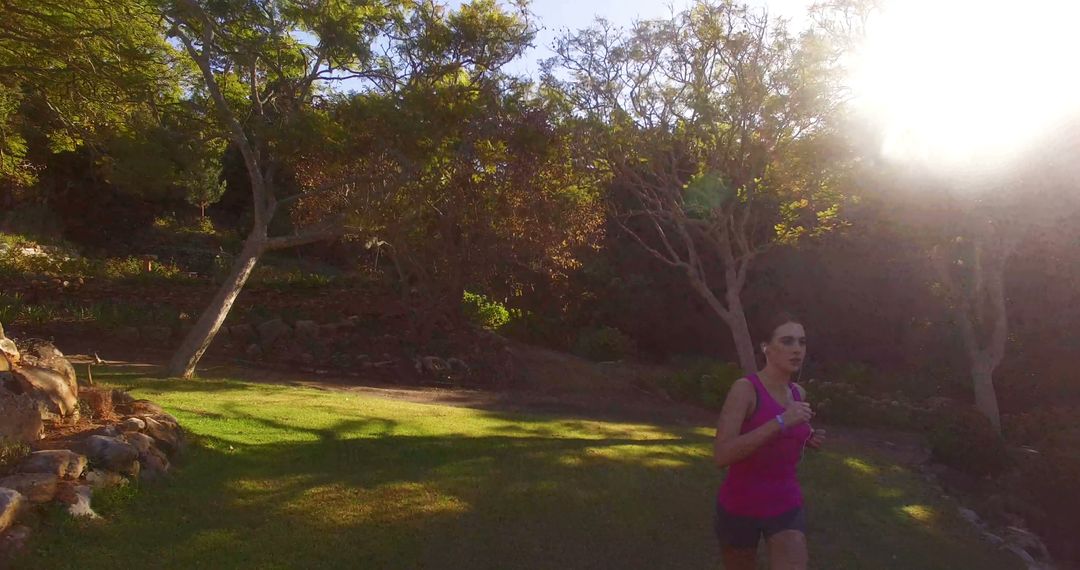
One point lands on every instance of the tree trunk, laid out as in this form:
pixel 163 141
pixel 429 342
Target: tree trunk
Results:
pixel 202 334
pixel 740 333
pixel 982 373
pixel 735 319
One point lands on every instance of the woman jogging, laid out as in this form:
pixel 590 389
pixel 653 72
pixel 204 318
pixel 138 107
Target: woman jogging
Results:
pixel 763 430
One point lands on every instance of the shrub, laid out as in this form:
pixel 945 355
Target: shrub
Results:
pixel 484 312
pixel 11 453
pixel 964 439
pixel 702 381
pixel 603 343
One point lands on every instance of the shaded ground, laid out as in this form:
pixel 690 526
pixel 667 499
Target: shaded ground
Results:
pixel 289 477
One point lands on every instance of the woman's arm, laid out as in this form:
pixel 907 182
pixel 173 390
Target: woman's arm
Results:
pixel 731 447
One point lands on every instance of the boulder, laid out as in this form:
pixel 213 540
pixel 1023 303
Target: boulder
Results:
pixel 111 453
pixel 35 487
pixel 155 464
pixel 165 431
pixel 272 330
pixel 8 350
pixel 242 332
pixel 14 540
pixel 140 407
pixel 77 498
pixel 12 505
pixel 20 419
pixel 103 478
pixel 62 463
pixel 49 388
pixel 131 424
pixel 307 329
pixel 44 354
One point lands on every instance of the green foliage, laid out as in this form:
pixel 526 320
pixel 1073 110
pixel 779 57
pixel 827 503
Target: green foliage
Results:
pixel 964 439
pixel 11 453
pixel 702 381
pixel 484 312
pixel 604 343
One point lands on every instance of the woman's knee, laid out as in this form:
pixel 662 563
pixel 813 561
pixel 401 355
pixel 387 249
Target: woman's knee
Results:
pixel 787 550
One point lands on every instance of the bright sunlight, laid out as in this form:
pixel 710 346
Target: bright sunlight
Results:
pixel 965 85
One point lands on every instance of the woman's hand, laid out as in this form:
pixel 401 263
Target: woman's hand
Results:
pixel 817 438
pixel 797 413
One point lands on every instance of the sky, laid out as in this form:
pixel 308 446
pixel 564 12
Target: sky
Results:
pixel 556 16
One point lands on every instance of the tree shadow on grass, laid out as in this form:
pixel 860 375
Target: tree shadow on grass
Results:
pixel 361 492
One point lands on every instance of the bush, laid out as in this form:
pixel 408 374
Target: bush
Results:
pixel 603 343
pixel 702 381
pixel 964 439
pixel 484 312
pixel 11 453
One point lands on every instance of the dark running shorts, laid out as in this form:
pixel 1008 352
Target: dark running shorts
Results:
pixel 744 532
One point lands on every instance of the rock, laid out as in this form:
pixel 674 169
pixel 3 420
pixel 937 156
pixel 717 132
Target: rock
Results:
pixel 970 516
pixel 168 434
pixel 44 354
pixel 328 330
pixel 79 502
pixel 110 453
pixel 272 330
pixel 128 333
pixel 14 540
pixel 307 329
pixel 9 351
pixel 107 431
pixel 457 365
pixel 154 463
pixel 1022 541
pixel 156 334
pixel 242 332
pixel 12 505
pixel 20 420
pixel 35 487
pixel 103 478
pixel 48 388
pixel 62 463
pixel 253 352
pixel 141 407
pixel 131 424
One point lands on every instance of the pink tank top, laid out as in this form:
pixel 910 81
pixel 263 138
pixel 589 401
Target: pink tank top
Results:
pixel 765 483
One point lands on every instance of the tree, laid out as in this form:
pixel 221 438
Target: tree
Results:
pixel 497 200
pixel 715 124
pixel 71 72
pixel 261 78
pixel 971 224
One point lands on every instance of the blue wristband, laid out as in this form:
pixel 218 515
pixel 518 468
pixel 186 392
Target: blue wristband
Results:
pixel 780 420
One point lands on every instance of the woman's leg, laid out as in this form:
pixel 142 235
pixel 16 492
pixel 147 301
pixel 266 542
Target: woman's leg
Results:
pixel 739 558
pixel 787 550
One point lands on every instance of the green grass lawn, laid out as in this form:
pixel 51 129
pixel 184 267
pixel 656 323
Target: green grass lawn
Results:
pixel 283 477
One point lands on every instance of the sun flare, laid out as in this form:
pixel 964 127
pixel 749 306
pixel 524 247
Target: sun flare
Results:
pixel 967 84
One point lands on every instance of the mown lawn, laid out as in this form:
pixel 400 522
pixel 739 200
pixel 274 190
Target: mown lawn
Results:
pixel 284 477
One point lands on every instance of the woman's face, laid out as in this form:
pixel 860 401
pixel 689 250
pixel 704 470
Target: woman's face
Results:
pixel 787 349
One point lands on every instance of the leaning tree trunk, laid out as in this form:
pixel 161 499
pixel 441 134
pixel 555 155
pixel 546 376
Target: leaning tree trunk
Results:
pixel 213 316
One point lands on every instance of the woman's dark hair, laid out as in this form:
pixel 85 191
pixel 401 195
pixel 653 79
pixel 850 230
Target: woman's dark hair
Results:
pixel 767 328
